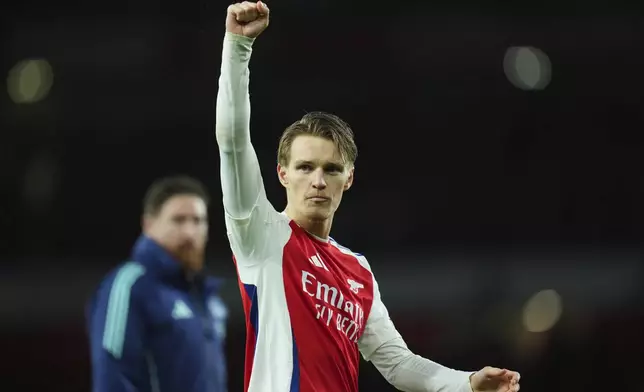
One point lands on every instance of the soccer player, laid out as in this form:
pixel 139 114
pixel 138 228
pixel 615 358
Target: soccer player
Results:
pixel 312 305
pixel 156 323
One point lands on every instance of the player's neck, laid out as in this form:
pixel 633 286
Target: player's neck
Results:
pixel 319 228
pixel 316 227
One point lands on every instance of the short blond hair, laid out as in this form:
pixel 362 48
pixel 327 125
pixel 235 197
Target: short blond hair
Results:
pixel 320 124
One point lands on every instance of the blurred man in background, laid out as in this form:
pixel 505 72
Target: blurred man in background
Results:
pixel 156 323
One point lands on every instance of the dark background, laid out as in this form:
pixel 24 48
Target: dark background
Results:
pixel 471 194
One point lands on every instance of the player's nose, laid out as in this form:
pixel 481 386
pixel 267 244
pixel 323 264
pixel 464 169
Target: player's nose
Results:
pixel 318 179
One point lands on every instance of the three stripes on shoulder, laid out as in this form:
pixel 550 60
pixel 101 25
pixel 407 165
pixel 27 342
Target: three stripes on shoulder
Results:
pixel 118 307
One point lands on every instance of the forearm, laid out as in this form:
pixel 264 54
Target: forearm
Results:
pixel 240 173
pixel 233 100
pixel 412 373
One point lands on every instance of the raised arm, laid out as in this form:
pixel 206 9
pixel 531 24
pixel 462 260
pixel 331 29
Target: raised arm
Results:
pixel 241 178
pixel 247 210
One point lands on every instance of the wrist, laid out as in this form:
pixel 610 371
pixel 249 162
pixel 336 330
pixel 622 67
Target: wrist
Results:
pixel 237 48
pixel 242 39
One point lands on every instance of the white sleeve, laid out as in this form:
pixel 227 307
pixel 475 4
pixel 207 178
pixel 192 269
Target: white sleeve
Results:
pixel 246 207
pixel 382 345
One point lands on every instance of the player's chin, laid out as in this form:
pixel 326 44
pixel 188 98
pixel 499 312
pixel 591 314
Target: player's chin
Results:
pixel 319 212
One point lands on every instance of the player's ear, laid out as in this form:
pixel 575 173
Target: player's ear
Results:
pixel 281 174
pixel 349 182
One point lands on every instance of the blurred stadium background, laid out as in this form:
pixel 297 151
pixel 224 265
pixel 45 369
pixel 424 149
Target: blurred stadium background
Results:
pixel 499 189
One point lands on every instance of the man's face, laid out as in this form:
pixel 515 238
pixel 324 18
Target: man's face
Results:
pixel 315 177
pixel 181 227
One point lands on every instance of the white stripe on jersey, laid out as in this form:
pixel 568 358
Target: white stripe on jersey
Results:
pixel 273 361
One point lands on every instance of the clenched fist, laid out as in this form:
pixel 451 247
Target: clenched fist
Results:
pixel 248 19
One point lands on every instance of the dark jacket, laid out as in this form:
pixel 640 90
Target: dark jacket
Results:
pixel 154 330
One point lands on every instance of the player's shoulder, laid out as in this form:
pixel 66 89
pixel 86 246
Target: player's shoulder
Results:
pixel 343 249
pixel 258 234
pixel 262 212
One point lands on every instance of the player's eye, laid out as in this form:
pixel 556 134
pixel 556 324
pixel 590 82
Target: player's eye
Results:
pixel 305 167
pixel 333 169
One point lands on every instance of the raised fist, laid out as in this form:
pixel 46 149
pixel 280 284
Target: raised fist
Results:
pixel 248 19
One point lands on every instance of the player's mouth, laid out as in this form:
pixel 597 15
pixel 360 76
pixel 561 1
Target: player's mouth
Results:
pixel 318 199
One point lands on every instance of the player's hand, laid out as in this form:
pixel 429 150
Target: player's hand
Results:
pixel 491 379
pixel 248 18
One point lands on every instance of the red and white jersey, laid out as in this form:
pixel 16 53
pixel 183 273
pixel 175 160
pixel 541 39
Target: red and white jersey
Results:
pixel 307 302
pixel 312 306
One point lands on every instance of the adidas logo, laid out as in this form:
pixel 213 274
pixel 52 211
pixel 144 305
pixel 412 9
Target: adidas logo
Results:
pixel 181 310
pixel 316 260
